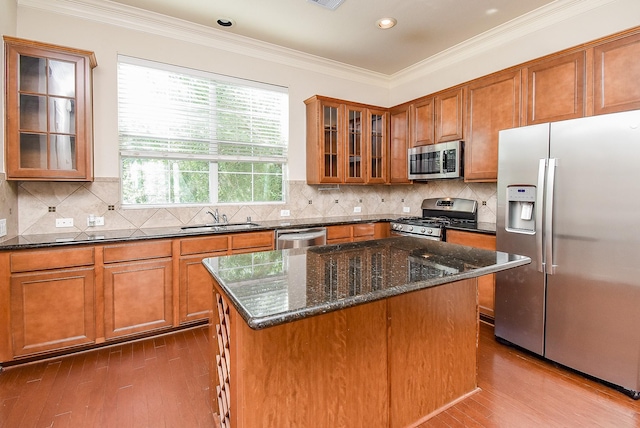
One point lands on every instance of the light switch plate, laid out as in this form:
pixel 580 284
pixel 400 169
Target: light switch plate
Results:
pixel 285 213
pixel 3 227
pixel 406 209
pixel 357 209
pixel 64 222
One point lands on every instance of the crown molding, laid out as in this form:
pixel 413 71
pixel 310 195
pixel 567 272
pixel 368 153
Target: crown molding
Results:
pixel 543 17
pixel 108 12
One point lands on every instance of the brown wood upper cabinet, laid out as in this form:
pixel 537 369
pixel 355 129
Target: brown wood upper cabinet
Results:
pixel 556 89
pixel 493 104
pixel 616 75
pixel 438 118
pixel 399 137
pixel 48 111
pixel 378 146
pixel 347 143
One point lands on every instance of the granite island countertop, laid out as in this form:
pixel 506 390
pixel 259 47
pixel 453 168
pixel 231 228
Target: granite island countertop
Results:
pixel 275 287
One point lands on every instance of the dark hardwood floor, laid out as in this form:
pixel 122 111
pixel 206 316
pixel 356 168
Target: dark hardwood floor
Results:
pixel 163 382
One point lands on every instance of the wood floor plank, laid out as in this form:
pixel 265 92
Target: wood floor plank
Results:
pixel 164 382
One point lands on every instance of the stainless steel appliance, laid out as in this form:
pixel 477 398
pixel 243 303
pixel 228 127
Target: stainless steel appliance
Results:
pixel 568 197
pixel 442 160
pixel 298 238
pixel 436 214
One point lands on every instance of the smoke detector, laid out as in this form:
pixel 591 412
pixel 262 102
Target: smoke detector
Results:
pixel 329 4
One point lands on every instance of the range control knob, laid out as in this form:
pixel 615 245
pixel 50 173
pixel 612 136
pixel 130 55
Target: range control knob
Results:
pixel 429 232
pixel 410 228
pixel 423 230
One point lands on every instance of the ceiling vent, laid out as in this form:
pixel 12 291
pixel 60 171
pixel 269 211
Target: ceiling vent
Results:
pixel 329 4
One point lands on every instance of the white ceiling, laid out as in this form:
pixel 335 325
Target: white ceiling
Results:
pixel 349 34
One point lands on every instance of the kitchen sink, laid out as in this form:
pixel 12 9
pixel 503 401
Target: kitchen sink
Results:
pixel 219 227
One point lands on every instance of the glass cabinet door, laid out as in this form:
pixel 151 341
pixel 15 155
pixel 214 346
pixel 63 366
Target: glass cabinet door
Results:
pixel 355 145
pixel 48 111
pixel 330 141
pixel 377 147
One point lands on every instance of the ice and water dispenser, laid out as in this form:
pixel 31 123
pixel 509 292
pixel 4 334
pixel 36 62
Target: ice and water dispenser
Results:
pixel 521 213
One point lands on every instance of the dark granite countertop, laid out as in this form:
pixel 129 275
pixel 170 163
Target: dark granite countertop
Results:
pixel 110 236
pixel 276 287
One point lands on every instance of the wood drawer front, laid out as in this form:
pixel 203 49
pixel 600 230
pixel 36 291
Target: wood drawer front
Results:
pixel 243 241
pixel 339 232
pixel 209 244
pixel 364 230
pixel 132 252
pixel 476 240
pixel 27 261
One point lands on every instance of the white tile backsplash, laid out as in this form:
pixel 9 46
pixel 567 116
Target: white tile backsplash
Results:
pixel 78 200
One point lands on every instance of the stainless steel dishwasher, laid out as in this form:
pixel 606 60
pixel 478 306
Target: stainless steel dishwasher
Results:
pixel 298 238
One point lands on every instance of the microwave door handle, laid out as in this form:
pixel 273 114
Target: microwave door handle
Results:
pixel 550 268
pixel 542 169
pixel 444 161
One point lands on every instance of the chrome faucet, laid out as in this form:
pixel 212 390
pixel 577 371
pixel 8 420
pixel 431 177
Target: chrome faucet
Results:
pixel 215 215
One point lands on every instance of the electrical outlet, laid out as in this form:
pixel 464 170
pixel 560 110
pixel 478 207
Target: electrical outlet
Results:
pixel 406 209
pixel 64 222
pixel 95 221
pixel 3 227
pixel 285 213
pixel 357 209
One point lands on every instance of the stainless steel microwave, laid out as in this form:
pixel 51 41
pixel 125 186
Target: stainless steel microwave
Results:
pixel 441 160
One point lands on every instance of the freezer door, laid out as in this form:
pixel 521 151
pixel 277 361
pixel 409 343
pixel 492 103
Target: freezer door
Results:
pixel 520 292
pixel 593 298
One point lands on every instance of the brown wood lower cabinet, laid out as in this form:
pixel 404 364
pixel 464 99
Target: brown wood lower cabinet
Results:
pixel 52 310
pixel 137 288
pixel 196 284
pixel 356 232
pixel 48 299
pixel 137 297
pixel 486 283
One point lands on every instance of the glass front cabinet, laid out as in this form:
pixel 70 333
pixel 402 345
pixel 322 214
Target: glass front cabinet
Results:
pixel 347 143
pixel 48 112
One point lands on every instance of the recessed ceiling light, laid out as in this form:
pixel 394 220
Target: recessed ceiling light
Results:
pixel 225 22
pixel 386 23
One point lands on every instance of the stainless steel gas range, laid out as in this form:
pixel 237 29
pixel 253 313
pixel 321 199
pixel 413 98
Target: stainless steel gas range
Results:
pixel 437 213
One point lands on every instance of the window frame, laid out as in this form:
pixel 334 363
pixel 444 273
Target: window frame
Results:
pixel 213 160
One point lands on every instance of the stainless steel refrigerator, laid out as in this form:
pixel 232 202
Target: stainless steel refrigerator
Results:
pixel 569 198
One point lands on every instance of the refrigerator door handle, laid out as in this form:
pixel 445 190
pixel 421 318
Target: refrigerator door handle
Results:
pixel 542 169
pixel 550 268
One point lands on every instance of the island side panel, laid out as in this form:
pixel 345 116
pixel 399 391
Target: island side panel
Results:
pixel 433 337
pixel 325 371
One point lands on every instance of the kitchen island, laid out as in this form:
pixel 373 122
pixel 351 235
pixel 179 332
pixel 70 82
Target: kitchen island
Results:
pixel 379 333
